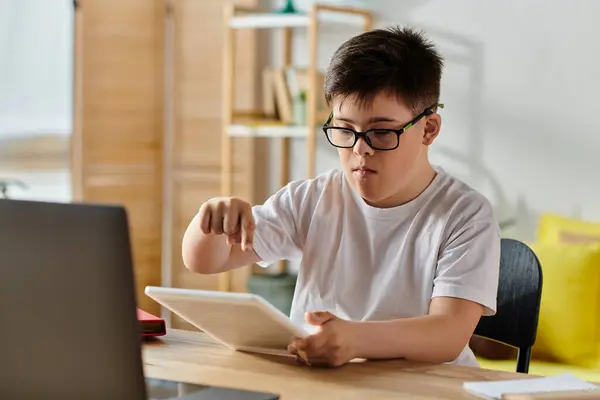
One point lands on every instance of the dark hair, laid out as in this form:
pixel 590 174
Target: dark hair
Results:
pixel 397 61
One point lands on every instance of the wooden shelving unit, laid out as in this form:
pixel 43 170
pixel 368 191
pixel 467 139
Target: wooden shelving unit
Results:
pixel 236 18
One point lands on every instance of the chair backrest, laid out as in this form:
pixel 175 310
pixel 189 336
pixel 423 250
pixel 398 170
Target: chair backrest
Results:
pixel 519 297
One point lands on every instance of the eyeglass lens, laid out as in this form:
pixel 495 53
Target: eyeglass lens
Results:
pixel 380 139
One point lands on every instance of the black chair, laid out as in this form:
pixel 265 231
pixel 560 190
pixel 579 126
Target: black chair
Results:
pixel 519 295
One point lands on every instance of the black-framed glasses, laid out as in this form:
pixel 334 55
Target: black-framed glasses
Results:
pixel 378 139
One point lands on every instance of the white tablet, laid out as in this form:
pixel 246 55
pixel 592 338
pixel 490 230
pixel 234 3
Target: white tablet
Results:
pixel 241 321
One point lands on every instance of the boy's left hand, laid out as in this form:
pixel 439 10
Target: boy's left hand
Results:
pixel 332 345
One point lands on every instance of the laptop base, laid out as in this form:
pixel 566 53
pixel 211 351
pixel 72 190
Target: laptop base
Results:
pixel 160 389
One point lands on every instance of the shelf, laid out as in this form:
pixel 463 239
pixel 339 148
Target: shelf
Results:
pixel 274 20
pixel 267 130
pixel 279 85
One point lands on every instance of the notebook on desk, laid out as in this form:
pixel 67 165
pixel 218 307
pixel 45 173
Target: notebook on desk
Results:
pixel 151 325
pixel 564 386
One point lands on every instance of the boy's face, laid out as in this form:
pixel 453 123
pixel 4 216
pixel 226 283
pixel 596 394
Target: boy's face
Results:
pixel 384 178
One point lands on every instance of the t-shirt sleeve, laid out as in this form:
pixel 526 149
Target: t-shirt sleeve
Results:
pixel 282 222
pixel 468 265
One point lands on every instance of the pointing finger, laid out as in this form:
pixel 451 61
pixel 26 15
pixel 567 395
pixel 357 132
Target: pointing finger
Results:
pixel 247 230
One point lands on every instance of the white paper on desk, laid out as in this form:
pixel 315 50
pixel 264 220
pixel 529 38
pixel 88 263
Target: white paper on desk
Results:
pixel 557 383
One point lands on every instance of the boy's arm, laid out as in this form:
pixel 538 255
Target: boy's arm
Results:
pixel 464 289
pixel 209 254
pixel 276 232
pixel 437 337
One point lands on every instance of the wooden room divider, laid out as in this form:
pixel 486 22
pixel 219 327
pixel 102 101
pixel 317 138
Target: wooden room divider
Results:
pixel 147 122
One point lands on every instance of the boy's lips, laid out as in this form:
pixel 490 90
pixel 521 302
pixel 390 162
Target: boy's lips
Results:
pixel 363 171
pixel 363 168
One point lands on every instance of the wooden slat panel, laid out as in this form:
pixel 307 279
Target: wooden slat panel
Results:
pixel 133 191
pixel 118 120
pixel 122 80
pixel 199 49
pixel 198 146
pixel 197 123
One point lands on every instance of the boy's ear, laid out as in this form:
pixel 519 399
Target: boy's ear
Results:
pixel 433 123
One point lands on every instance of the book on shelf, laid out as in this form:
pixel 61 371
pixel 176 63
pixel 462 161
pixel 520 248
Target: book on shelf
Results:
pixel 282 87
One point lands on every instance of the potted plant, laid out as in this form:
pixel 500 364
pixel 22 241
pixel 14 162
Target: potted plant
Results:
pixel 276 288
pixel 289 8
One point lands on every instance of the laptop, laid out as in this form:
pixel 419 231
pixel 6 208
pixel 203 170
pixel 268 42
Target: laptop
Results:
pixel 69 327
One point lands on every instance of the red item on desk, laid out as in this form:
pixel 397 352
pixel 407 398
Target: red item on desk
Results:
pixel 151 325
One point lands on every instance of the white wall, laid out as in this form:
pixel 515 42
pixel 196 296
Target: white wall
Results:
pixel 36 45
pixel 519 87
pixel 521 96
pixel 36 42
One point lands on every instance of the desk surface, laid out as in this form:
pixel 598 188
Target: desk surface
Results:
pixel 196 358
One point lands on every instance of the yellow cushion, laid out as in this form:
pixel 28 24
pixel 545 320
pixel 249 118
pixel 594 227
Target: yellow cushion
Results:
pixel 543 368
pixel 569 322
pixel 553 228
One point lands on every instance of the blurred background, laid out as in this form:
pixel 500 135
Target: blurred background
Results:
pixel 128 102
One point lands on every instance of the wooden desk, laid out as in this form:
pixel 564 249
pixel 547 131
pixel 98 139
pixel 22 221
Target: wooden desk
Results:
pixel 196 358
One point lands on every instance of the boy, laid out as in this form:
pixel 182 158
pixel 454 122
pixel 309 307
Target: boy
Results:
pixel 399 259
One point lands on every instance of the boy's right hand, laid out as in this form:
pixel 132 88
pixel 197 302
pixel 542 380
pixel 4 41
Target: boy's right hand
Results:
pixel 229 216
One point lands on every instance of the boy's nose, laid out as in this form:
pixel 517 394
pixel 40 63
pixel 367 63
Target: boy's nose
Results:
pixel 362 148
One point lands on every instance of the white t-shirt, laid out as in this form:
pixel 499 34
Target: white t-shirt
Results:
pixel 365 263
